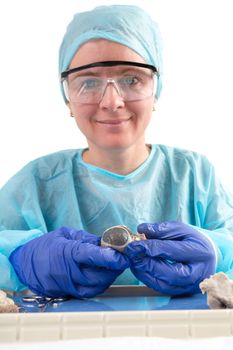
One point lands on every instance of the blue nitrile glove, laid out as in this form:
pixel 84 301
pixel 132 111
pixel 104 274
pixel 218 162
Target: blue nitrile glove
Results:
pixel 174 259
pixel 67 262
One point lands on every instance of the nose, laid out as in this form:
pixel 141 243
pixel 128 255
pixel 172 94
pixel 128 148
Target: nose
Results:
pixel 111 98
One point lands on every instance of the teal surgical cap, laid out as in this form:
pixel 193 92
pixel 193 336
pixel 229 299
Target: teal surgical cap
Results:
pixel 125 24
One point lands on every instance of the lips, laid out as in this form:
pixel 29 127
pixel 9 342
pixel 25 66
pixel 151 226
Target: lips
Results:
pixel 113 121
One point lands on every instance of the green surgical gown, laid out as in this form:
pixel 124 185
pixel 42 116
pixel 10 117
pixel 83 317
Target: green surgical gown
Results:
pixel 60 189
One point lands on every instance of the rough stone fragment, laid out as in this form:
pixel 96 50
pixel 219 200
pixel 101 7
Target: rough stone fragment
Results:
pixel 219 289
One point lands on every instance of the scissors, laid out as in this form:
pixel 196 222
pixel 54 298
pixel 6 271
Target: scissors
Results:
pixel 40 303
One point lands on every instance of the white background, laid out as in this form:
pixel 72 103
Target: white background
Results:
pixel 196 106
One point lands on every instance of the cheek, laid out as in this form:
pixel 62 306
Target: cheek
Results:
pixel 144 112
pixel 82 111
pixel 83 116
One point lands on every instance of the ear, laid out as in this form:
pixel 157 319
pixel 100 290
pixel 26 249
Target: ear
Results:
pixel 68 105
pixel 155 102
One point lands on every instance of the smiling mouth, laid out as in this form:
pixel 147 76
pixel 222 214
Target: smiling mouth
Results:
pixel 113 121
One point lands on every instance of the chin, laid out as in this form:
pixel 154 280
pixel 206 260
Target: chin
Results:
pixel 117 147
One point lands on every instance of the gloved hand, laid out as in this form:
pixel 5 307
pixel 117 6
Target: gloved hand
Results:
pixel 67 262
pixel 174 259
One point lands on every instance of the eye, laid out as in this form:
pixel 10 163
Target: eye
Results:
pixel 85 84
pixel 129 80
pixel 89 84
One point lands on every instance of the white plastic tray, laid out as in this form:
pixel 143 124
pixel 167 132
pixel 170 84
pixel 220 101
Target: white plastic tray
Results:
pixel 179 324
pixel 79 325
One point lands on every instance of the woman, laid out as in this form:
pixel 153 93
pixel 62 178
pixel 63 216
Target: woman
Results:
pixel 55 209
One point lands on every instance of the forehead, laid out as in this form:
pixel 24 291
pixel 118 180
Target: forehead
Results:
pixel 103 50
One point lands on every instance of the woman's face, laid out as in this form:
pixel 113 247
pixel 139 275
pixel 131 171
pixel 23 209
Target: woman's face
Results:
pixel 111 124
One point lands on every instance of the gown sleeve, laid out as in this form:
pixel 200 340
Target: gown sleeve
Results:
pixel 18 223
pixel 216 218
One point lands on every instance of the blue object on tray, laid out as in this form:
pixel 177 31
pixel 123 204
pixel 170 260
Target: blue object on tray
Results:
pixel 116 298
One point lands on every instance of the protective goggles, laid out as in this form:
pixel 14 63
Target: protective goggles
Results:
pixel 87 84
